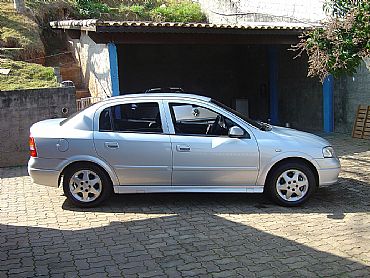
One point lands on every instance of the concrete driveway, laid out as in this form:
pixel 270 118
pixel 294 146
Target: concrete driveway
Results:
pixel 202 235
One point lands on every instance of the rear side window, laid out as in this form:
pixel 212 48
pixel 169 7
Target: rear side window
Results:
pixel 105 120
pixel 132 117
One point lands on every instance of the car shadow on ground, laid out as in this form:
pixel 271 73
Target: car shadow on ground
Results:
pixel 177 245
pixel 348 195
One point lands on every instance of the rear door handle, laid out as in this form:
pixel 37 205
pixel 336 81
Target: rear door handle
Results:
pixel 111 145
pixel 183 148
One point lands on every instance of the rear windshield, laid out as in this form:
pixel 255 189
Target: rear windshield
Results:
pixel 74 115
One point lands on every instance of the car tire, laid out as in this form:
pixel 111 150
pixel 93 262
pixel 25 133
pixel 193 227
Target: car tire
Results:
pixel 86 185
pixel 291 184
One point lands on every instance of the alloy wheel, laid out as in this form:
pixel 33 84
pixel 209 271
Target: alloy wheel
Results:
pixel 292 185
pixel 85 186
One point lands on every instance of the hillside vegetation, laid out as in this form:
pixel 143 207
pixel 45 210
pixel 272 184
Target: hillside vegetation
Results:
pixel 20 40
pixel 147 10
pixel 19 35
pixel 22 37
pixel 26 76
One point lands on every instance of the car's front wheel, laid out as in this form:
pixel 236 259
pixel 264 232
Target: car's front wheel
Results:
pixel 291 184
pixel 86 185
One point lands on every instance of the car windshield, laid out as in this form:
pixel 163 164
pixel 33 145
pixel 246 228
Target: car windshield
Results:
pixel 258 124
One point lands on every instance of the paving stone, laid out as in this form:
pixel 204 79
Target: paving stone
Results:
pixel 200 235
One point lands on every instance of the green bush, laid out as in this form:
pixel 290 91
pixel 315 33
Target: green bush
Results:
pixel 134 12
pixel 178 12
pixel 171 11
pixel 339 47
pixel 91 8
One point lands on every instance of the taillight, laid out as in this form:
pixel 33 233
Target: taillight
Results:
pixel 33 151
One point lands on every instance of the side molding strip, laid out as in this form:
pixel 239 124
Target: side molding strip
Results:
pixel 123 189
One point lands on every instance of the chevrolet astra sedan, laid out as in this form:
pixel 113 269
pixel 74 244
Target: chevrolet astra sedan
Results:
pixel 176 142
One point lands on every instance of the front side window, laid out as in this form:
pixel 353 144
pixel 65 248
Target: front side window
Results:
pixel 132 117
pixel 190 119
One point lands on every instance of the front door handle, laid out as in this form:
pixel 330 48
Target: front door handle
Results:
pixel 111 145
pixel 183 148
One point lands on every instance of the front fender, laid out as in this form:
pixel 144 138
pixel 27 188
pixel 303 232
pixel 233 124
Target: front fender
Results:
pixel 266 167
pixel 88 158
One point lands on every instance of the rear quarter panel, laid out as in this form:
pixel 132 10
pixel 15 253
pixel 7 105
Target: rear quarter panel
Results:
pixel 77 140
pixel 76 135
pixel 48 138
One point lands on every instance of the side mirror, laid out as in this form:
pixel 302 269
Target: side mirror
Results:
pixel 236 132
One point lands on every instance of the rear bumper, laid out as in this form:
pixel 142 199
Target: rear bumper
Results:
pixel 328 170
pixel 43 176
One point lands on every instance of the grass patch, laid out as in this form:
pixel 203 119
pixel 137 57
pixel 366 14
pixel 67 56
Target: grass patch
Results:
pixel 26 76
pixel 19 31
pixel 179 12
pixel 162 11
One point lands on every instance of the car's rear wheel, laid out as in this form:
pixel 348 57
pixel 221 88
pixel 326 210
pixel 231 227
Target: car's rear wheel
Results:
pixel 86 185
pixel 291 184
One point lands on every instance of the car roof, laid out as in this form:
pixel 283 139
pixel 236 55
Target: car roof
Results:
pixel 160 96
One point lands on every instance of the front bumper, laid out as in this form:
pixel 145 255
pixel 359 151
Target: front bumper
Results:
pixel 43 176
pixel 328 170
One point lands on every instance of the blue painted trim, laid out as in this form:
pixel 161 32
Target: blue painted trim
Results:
pixel 328 96
pixel 273 84
pixel 113 61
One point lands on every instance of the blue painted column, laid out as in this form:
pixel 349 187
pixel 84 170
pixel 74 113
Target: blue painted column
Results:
pixel 327 89
pixel 113 61
pixel 273 84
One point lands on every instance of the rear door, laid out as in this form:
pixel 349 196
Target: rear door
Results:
pixel 203 153
pixel 131 137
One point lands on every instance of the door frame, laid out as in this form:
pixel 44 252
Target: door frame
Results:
pixel 250 187
pixel 118 188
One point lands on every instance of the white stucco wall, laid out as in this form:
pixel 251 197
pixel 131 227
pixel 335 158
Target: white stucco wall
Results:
pixel 307 11
pixel 94 62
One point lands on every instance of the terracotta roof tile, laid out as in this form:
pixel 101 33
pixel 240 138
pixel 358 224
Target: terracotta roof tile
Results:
pixel 94 24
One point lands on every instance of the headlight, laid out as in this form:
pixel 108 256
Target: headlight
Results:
pixel 328 152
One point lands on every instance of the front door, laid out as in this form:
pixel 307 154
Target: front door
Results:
pixel 131 139
pixel 204 154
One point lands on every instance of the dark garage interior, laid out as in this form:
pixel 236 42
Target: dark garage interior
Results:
pixel 229 73
pixel 223 72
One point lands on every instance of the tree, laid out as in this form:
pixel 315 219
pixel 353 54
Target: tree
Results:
pixel 342 43
pixel 20 6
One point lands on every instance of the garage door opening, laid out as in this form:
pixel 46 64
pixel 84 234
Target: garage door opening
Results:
pixel 236 75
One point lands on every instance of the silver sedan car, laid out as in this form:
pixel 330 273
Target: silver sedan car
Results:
pixel 176 142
